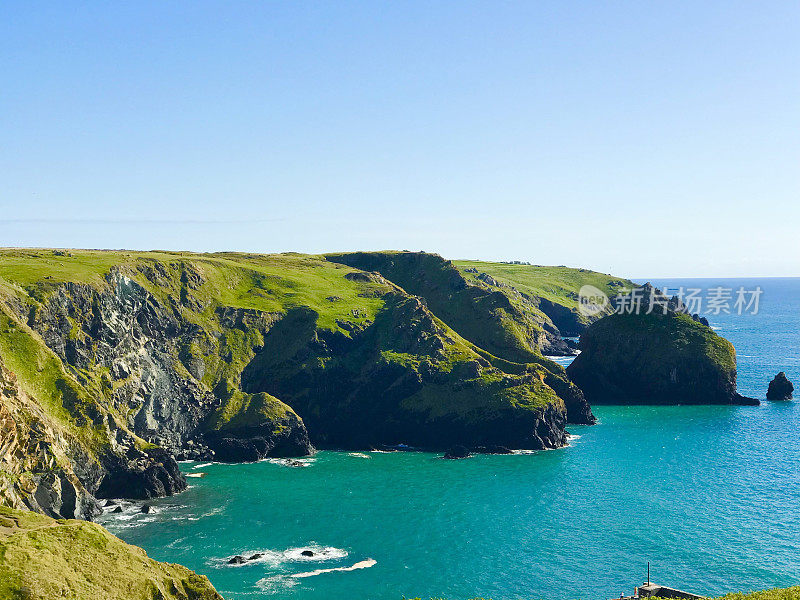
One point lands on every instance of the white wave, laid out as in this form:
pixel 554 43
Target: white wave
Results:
pixel 292 462
pixel 363 564
pixel 197 475
pixel 279 557
pixel 276 583
pixel 202 466
pixel 358 455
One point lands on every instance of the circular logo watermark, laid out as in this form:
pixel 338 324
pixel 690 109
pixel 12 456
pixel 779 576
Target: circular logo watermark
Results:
pixel 591 301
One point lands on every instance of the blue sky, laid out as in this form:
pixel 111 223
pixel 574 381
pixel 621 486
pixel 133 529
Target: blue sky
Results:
pixel 639 138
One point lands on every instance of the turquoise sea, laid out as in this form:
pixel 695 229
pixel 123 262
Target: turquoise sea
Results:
pixel 709 495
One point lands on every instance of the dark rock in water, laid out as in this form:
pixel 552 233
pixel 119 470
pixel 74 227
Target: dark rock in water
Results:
pixel 745 401
pixel 147 509
pixel 110 503
pixel 154 473
pixel 780 388
pixel 118 509
pixel 457 452
pixel 307 553
pixel 285 438
pixel 237 560
pixel 256 556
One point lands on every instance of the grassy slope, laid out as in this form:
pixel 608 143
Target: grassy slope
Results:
pixel 557 284
pixel 792 593
pixel 496 321
pixel 41 559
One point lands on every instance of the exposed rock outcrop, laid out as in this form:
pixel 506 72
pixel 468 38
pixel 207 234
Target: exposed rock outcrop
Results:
pixel 780 388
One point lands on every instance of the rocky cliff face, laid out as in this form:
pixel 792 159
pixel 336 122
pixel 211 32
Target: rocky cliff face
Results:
pixel 47 467
pixel 655 358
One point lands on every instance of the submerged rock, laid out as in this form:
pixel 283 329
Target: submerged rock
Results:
pixel 237 560
pixel 147 509
pixel 780 388
pixel 307 553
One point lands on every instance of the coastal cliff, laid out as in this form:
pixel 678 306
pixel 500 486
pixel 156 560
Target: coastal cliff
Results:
pixel 117 363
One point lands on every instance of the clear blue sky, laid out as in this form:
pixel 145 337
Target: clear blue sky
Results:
pixel 639 138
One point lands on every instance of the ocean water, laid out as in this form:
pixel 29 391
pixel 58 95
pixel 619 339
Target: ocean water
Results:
pixel 710 496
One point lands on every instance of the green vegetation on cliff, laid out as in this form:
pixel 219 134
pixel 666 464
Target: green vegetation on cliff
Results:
pixel 791 593
pixel 42 559
pixel 655 359
pixel 557 284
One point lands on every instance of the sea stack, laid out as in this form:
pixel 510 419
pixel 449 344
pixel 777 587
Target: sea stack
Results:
pixel 780 388
pixel 659 354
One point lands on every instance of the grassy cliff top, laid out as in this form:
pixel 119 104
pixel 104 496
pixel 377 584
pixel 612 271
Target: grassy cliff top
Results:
pixel 41 559
pixel 266 282
pixel 558 284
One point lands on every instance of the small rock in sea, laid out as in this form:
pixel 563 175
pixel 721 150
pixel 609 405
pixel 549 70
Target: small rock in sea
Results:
pixel 457 452
pixel 237 560
pixel 307 553
pixel 780 388
pixel 110 503
pixel 147 509
pixel 256 556
pixel 118 509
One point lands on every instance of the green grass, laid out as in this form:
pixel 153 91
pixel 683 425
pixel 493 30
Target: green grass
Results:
pixel 267 282
pixel 557 284
pixel 42 559
pixel 791 593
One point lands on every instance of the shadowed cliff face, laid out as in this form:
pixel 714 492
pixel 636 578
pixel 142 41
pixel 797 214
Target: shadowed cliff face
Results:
pixel 655 359
pixel 405 379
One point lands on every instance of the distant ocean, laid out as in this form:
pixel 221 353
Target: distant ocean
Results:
pixel 709 495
